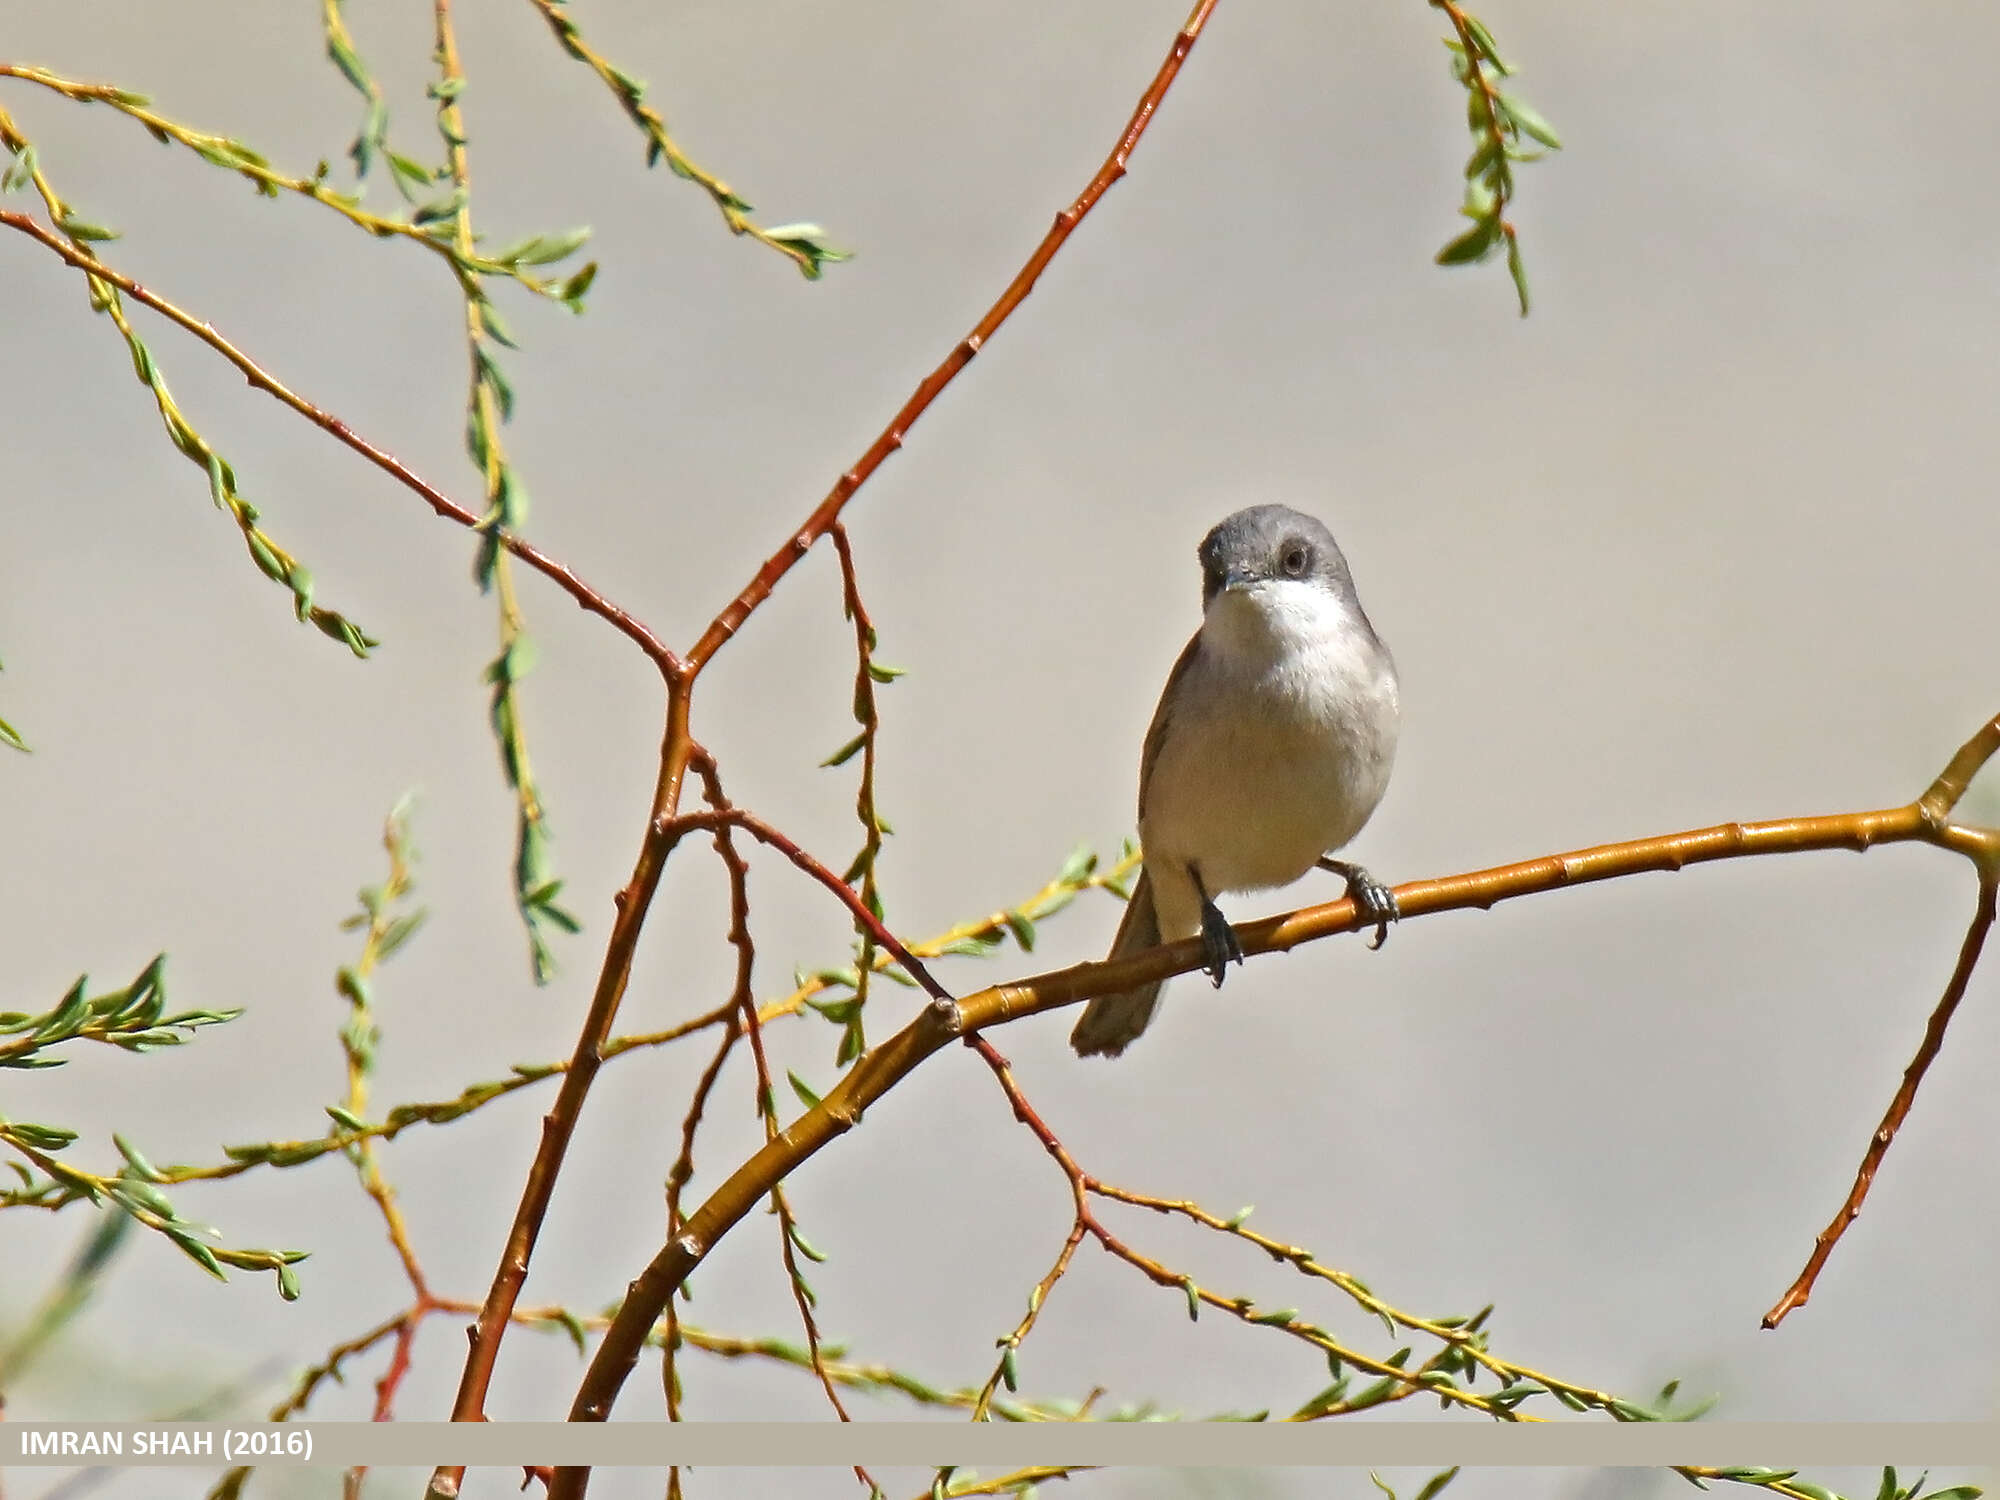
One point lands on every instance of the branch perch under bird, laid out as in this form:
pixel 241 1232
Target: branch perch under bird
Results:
pixel 1924 820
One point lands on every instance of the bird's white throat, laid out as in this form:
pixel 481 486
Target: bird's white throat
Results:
pixel 1279 617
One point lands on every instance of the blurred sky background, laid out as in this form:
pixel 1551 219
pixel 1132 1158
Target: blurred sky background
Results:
pixel 1709 536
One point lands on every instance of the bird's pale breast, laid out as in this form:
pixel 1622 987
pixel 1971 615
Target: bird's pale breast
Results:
pixel 1278 754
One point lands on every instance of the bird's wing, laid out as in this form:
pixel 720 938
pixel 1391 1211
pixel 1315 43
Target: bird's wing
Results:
pixel 1156 733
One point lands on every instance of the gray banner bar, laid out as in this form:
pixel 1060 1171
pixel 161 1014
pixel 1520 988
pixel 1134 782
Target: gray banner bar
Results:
pixel 1007 1445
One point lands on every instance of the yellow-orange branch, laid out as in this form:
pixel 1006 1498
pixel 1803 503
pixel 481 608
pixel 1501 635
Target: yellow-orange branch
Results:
pixel 1926 820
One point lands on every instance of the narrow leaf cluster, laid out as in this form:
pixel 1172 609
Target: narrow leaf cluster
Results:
pixel 1498 121
pixel 133 1018
pixel 805 245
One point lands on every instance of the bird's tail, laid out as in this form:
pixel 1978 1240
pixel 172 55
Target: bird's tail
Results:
pixel 1110 1023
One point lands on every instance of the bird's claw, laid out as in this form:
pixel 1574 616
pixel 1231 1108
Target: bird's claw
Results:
pixel 1218 942
pixel 1373 901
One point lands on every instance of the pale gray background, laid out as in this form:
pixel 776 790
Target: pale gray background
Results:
pixel 1710 536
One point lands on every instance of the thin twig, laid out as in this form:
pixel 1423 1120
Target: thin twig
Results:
pixel 741 1003
pixel 764 833
pixel 767 1105
pixel 1082 1222
pixel 489 403
pixel 1797 1294
pixel 386 931
pixel 983 935
pixel 1393 1382
pixel 1464 1334
pixel 677 1181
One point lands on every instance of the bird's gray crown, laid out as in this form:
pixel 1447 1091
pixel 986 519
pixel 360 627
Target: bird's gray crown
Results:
pixel 1271 542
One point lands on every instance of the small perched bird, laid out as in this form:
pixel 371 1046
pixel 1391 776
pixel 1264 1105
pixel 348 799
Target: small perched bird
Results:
pixel 1270 749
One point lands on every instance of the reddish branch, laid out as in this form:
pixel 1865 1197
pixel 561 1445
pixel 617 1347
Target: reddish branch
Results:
pixel 788 1238
pixel 741 1003
pixel 677 1181
pixel 764 833
pixel 1983 849
pixel 1800 1290
pixel 828 511
pixel 559 1124
pixel 1084 1221
pixel 399 1360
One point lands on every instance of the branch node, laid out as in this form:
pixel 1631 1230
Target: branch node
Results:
pixel 842 1113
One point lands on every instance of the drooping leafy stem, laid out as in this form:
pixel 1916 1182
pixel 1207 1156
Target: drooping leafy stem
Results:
pixel 260 378
pixel 1497 120
pixel 868 672
pixel 82 237
pixel 387 923
pixel 805 245
pixel 372 139
pixel 490 402
pixel 386 926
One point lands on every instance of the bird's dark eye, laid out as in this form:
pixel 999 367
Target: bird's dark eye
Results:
pixel 1295 561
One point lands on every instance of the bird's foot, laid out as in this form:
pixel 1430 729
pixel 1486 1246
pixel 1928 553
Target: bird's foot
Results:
pixel 1373 901
pixel 1218 941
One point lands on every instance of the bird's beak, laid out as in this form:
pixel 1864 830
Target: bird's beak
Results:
pixel 1237 578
